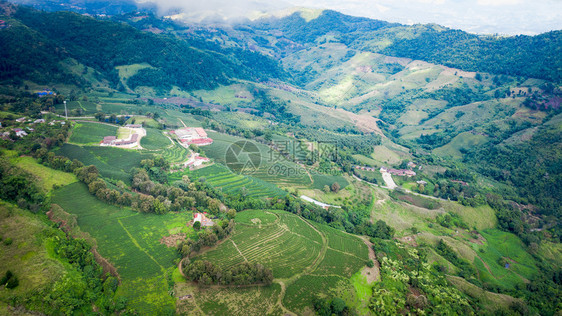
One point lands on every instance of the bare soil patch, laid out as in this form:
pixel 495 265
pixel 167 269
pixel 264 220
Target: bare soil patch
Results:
pixel 410 240
pixel 372 274
pixel 172 240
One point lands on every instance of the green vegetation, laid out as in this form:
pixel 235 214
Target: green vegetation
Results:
pixel 47 178
pixel 131 242
pixel 284 250
pixel 221 177
pixel 256 218
pixel 49 273
pixel 277 171
pixel 19 186
pixel 154 140
pixel 112 163
pixel 313 258
pixel 91 133
pixel 175 154
pixel 475 231
pixel 233 300
pixel 416 200
pixel 77 108
pixel 80 42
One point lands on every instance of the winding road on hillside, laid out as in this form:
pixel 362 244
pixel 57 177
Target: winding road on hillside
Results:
pixel 387 177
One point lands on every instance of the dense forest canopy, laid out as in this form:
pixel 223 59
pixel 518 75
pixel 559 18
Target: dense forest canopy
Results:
pixel 103 45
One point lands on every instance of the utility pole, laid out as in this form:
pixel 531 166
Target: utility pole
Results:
pixel 65 111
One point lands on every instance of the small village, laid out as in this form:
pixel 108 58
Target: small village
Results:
pixel 22 127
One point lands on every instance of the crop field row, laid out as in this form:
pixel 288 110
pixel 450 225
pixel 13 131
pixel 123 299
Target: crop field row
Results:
pixel 280 246
pixel 336 262
pixel 288 245
pixel 154 140
pixel 321 180
pixel 130 241
pixel 294 148
pixel 272 168
pixel 341 241
pixel 256 218
pixel 230 183
pixel 79 107
pixel 113 163
pixel 90 133
pixel 175 154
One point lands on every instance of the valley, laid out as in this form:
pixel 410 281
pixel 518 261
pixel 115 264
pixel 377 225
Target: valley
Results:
pixel 300 164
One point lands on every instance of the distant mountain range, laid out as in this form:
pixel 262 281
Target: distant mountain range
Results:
pixel 527 56
pixel 38 45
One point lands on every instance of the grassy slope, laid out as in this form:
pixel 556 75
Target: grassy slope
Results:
pixel 29 257
pixel 484 253
pixel 48 178
pixel 463 141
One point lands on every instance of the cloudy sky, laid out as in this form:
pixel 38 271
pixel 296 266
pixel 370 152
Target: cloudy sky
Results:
pixel 476 16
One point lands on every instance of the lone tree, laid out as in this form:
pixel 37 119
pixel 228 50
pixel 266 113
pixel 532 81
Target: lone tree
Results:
pixel 335 187
pixel 197 225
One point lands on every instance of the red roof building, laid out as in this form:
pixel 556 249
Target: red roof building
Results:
pixel 202 218
pixel 201 132
pixel 199 142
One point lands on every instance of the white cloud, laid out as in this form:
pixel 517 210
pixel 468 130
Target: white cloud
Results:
pixel 381 8
pixel 498 2
pixel 477 16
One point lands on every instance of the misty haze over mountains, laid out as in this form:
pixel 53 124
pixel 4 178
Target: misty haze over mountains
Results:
pixel 509 17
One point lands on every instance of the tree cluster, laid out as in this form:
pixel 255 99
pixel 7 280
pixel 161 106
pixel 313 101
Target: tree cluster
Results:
pixel 206 238
pixel 328 307
pixel 465 268
pixel 206 273
pixel 19 186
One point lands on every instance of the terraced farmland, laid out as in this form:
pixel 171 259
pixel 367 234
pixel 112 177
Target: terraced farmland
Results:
pixel 307 259
pixel 155 140
pixel 280 246
pixel 221 177
pixel 273 168
pixel 175 154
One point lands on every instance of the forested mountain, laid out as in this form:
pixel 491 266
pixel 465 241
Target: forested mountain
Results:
pixel 309 163
pixel 529 56
pixel 104 45
pixel 296 28
pixel 83 6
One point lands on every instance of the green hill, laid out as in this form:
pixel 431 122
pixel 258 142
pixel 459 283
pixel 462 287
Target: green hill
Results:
pixel 529 56
pixel 36 41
